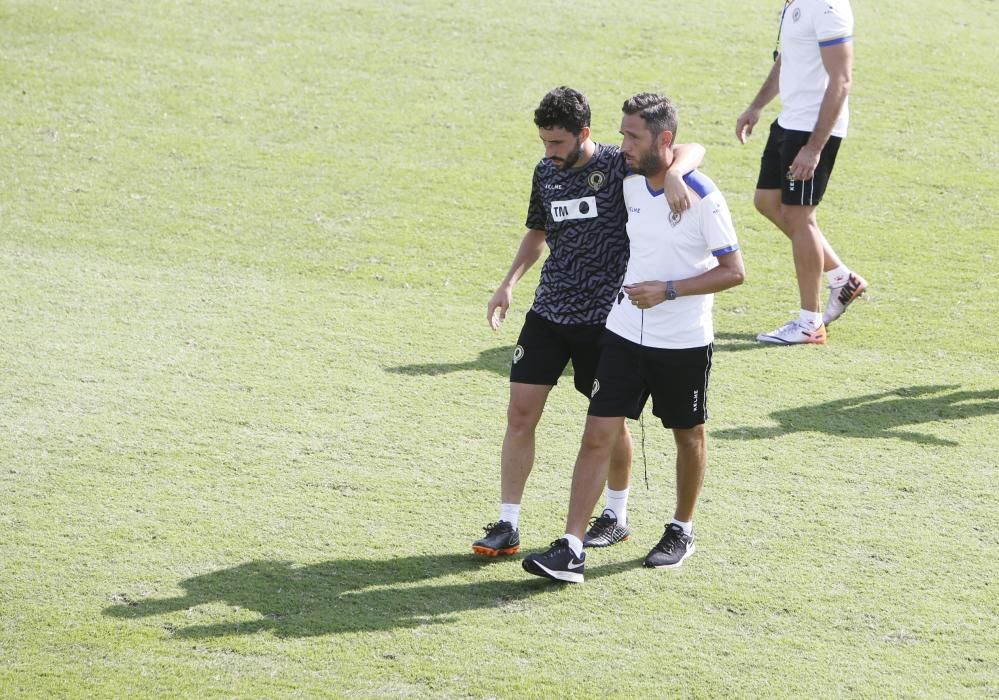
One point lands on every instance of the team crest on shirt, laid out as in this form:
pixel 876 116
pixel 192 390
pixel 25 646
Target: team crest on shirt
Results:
pixel 674 218
pixel 796 15
pixel 518 354
pixel 596 388
pixel 596 180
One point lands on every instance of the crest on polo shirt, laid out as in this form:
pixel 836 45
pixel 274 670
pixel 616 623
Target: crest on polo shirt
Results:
pixel 596 180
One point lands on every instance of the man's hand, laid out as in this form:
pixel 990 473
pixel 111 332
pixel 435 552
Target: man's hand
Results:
pixel 745 123
pixel 499 304
pixel 805 163
pixel 645 295
pixel 677 195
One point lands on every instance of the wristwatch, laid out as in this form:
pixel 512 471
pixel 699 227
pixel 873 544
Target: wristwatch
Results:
pixel 670 291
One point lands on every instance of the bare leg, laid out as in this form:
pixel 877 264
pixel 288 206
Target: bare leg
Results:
pixel 527 402
pixel 590 472
pixel 619 475
pixel 806 244
pixel 768 203
pixel 691 464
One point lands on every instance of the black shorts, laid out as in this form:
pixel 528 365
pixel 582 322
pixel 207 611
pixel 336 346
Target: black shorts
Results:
pixel 775 166
pixel 677 381
pixel 544 349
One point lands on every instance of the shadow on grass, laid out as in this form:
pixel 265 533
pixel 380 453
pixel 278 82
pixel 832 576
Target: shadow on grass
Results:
pixel 497 360
pixel 879 416
pixel 349 595
pixel 493 360
pixel 735 342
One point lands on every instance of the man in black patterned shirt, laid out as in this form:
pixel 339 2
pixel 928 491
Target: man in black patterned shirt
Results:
pixel 576 209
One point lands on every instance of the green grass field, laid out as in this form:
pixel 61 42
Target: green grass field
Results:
pixel 250 408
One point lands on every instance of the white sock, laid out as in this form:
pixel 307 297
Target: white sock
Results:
pixel 617 503
pixel 575 544
pixel 811 319
pixel 510 512
pixel 838 276
pixel 688 527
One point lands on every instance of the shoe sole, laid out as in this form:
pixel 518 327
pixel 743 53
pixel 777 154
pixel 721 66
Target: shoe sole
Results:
pixel 533 567
pixel 773 340
pixel 853 297
pixel 596 545
pixel 693 548
pixel 490 552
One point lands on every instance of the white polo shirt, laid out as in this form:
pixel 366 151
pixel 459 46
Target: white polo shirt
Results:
pixel 672 247
pixel 806 27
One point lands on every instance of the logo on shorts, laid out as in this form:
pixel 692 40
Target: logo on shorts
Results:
pixel 674 218
pixel 796 15
pixel 596 180
pixel 518 354
pixel 697 396
pixel 596 388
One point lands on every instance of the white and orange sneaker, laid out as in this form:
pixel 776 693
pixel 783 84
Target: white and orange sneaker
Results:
pixel 795 333
pixel 842 296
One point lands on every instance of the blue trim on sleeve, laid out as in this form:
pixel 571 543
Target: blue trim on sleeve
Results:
pixel 833 42
pixel 725 251
pixel 700 183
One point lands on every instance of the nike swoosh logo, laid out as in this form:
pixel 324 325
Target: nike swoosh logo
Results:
pixel 570 565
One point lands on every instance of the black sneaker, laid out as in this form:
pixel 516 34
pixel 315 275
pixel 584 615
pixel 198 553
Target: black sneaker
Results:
pixel 500 538
pixel 672 549
pixel 604 531
pixel 558 563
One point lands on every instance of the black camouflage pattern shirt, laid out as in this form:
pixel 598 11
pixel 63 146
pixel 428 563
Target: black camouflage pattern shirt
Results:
pixel 583 215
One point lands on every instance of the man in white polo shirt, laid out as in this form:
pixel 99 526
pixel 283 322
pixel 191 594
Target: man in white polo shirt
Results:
pixel 658 338
pixel 812 73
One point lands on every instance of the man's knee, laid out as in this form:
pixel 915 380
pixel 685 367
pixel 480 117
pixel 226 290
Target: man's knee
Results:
pixel 601 434
pixel 526 406
pixel 690 438
pixel 767 202
pixel 799 219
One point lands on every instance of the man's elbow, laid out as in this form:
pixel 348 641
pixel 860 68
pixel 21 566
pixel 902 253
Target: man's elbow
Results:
pixel 737 275
pixel 844 81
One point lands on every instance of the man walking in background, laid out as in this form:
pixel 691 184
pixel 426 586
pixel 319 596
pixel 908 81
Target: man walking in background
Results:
pixel 812 74
pixel 577 210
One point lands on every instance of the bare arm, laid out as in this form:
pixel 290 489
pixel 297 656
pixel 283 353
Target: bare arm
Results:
pixel 531 248
pixel 730 272
pixel 686 157
pixel 770 89
pixel 838 62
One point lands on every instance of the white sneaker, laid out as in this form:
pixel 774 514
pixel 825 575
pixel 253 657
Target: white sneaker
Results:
pixel 842 296
pixel 794 333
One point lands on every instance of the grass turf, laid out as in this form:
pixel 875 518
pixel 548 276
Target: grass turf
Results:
pixel 250 410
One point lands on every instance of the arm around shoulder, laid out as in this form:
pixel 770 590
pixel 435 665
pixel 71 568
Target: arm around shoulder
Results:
pixel 686 157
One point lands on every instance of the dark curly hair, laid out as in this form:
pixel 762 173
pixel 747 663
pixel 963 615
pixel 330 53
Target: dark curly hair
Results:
pixel 657 111
pixel 563 107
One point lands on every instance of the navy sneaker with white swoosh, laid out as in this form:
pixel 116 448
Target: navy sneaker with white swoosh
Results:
pixel 558 563
pixel 671 551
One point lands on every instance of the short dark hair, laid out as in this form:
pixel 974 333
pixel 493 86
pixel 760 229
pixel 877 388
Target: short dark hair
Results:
pixel 657 111
pixel 565 108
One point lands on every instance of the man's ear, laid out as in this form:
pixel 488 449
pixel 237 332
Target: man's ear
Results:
pixel 584 133
pixel 665 140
